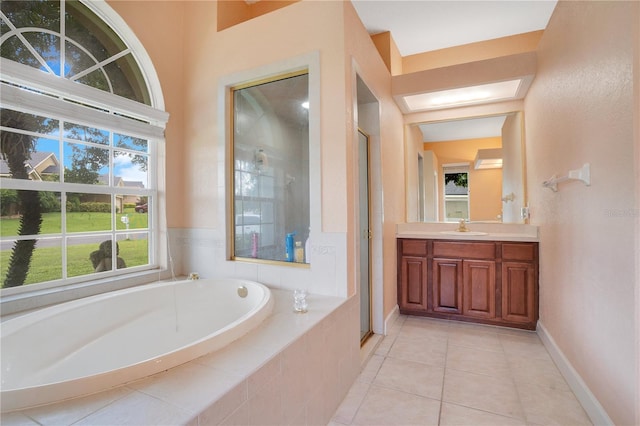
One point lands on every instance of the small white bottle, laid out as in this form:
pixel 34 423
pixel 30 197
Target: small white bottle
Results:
pixel 307 248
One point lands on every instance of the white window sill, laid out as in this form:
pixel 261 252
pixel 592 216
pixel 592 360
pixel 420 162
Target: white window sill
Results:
pixel 17 304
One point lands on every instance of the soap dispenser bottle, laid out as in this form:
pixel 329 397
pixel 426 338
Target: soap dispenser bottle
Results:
pixel 289 246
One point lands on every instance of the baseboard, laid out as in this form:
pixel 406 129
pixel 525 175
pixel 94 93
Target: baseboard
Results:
pixel 391 318
pixel 589 402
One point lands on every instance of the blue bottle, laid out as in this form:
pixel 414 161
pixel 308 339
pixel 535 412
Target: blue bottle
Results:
pixel 289 246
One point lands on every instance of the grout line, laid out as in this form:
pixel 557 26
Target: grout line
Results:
pixel 513 380
pixel 444 374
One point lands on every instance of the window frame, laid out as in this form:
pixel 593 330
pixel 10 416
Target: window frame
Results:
pixel 457 168
pixel 74 102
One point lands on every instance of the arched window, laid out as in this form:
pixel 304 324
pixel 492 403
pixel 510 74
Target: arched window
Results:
pixel 82 139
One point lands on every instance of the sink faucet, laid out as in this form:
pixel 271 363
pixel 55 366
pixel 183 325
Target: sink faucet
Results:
pixel 462 227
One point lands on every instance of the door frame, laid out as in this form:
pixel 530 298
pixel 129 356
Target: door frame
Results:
pixel 369 240
pixel 366 116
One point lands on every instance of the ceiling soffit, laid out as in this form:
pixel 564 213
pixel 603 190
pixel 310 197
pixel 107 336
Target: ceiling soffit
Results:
pixel 513 67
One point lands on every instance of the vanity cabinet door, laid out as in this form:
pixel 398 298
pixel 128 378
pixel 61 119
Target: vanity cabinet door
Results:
pixel 447 286
pixel 412 275
pixel 519 303
pixel 520 284
pixel 413 283
pixel 479 277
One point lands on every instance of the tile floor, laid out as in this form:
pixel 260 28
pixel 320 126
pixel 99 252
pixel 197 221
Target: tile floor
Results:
pixel 433 372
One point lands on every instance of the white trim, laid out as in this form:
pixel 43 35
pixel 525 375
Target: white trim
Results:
pixel 587 399
pixel 311 62
pixel 38 104
pixel 64 99
pixel 391 318
pixel 40 185
pixel 115 21
pixel 26 76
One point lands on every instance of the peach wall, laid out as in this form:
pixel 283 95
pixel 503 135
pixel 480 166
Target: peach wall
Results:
pixel 234 12
pixel 294 30
pixel 485 186
pixel 363 58
pixel 580 110
pixel 388 51
pixel 165 49
pixel 504 46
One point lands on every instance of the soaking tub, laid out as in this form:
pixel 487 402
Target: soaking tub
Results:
pixel 92 344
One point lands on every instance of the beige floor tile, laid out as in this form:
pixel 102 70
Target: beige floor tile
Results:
pixel 424 328
pixel 517 332
pixel 546 406
pixel 385 345
pixel 473 327
pixel 472 360
pixel 492 394
pixel 371 368
pixel 411 377
pixel 523 346
pixel 541 372
pixel 492 376
pixel 456 415
pixel 473 338
pixel 349 407
pixel 390 407
pixel 427 351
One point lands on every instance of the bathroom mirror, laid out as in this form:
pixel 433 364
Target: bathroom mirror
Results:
pixel 469 168
pixel 269 209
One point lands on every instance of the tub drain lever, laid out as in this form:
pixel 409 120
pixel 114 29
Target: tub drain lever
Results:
pixel 242 291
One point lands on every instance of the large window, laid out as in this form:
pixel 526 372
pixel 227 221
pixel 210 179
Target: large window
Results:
pixel 79 145
pixel 271 169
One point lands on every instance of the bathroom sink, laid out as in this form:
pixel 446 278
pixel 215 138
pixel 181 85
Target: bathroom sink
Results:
pixel 477 233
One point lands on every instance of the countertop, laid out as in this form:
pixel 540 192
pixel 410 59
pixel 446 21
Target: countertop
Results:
pixel 476 231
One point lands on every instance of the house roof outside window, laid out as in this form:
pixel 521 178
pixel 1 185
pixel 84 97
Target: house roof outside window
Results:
pixel 40 164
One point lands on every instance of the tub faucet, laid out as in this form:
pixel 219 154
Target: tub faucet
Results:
pixel 462 227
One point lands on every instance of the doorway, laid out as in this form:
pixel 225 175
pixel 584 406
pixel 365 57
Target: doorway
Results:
pixel 364 184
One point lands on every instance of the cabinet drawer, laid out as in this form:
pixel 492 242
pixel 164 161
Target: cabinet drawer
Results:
pixel 467 250
pixel 525 252
pixel 413 247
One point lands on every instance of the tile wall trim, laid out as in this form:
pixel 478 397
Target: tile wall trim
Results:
pixel 587 399
pixel 391 318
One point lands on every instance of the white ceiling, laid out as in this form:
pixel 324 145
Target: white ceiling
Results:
pixel 424 25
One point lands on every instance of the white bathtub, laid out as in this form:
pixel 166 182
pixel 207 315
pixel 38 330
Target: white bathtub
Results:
pixel 92 344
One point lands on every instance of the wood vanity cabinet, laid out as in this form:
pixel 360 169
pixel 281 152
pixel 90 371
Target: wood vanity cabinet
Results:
pixel 412 275
pixel 493 282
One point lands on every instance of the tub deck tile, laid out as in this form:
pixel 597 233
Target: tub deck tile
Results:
pixel 232 385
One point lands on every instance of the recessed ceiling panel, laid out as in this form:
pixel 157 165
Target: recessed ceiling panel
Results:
pixel 471 128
